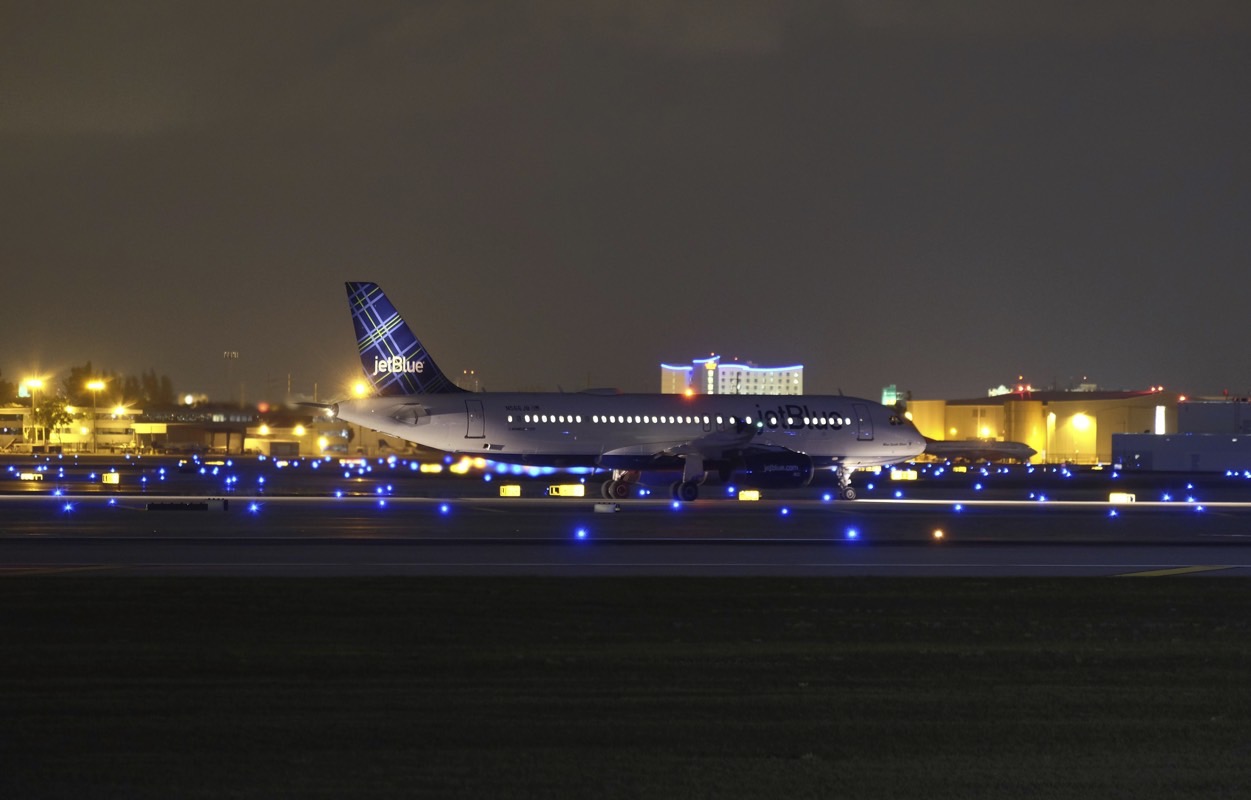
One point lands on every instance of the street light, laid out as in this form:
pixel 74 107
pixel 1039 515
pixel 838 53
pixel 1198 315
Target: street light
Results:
pixel 32 385
pixel 361 389
pixel 95 387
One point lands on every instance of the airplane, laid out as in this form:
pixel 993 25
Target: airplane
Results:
pixel 758 440
pixel 972 450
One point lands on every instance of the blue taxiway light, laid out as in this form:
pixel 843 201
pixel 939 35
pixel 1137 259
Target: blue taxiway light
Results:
pixel 580 533
pixel 444 508
pixel 785 511
pixel 254 507
pixel 852 533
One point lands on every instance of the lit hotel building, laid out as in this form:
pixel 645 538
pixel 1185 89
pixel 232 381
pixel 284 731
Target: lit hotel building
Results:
pixel 710 376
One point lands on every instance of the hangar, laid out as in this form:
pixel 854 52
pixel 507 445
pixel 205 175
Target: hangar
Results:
pixel 1063 427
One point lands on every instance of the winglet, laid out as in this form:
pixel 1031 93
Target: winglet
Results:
pixel 394 361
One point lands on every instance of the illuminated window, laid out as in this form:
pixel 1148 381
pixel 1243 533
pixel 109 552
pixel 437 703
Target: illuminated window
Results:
pixel 595 418
pixel 578 418
pixel 527 418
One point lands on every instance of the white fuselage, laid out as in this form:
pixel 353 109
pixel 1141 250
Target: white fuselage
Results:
pixel 609 430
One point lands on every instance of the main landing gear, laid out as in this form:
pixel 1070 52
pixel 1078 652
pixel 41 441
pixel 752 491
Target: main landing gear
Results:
pixel 618 487
pixel 685 490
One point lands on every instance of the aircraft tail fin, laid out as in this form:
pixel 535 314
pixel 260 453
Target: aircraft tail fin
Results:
pixel 394 361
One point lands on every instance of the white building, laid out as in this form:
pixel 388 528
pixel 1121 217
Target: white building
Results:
pixel 712 376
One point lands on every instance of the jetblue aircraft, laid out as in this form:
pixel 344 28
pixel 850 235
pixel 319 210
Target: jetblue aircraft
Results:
pixel 759 440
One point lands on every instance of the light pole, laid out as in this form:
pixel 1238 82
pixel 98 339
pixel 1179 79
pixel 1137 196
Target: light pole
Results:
pixel 361 389
pixel 95 387
pixel 32 385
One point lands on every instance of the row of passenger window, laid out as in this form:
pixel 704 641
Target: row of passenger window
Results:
pixel 772 421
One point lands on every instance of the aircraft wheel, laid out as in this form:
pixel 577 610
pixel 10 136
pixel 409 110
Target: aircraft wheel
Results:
pixel 605 490
pixel 619 490
pixel 849 493
pixel 688 491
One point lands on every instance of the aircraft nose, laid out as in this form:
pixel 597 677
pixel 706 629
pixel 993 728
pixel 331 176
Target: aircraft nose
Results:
pixel 916 441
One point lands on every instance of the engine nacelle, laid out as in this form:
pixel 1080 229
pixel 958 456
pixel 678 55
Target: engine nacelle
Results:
pixel 775 470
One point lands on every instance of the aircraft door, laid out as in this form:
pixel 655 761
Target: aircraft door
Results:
pixel 864 422
pixel 475 420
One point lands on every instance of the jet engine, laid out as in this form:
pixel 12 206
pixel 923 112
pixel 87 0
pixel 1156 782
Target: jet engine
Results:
pixel 775 470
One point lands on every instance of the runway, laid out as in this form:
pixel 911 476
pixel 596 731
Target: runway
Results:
pixel 258 535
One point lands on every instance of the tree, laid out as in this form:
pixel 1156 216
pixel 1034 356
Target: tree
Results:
pixel 8 392
pixel 156 390
pixel 74 385
pixel 147 389
pixel 50 414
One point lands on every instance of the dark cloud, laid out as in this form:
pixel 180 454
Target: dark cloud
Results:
pixel 938 195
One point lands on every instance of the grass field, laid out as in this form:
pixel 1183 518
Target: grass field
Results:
pixel 939 688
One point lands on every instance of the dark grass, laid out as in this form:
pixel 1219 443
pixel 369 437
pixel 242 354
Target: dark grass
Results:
pixel 625 687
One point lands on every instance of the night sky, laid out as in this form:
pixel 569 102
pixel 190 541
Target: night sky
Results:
pixel 941 196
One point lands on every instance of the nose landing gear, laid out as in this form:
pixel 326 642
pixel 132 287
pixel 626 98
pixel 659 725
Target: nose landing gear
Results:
pixel 845 490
